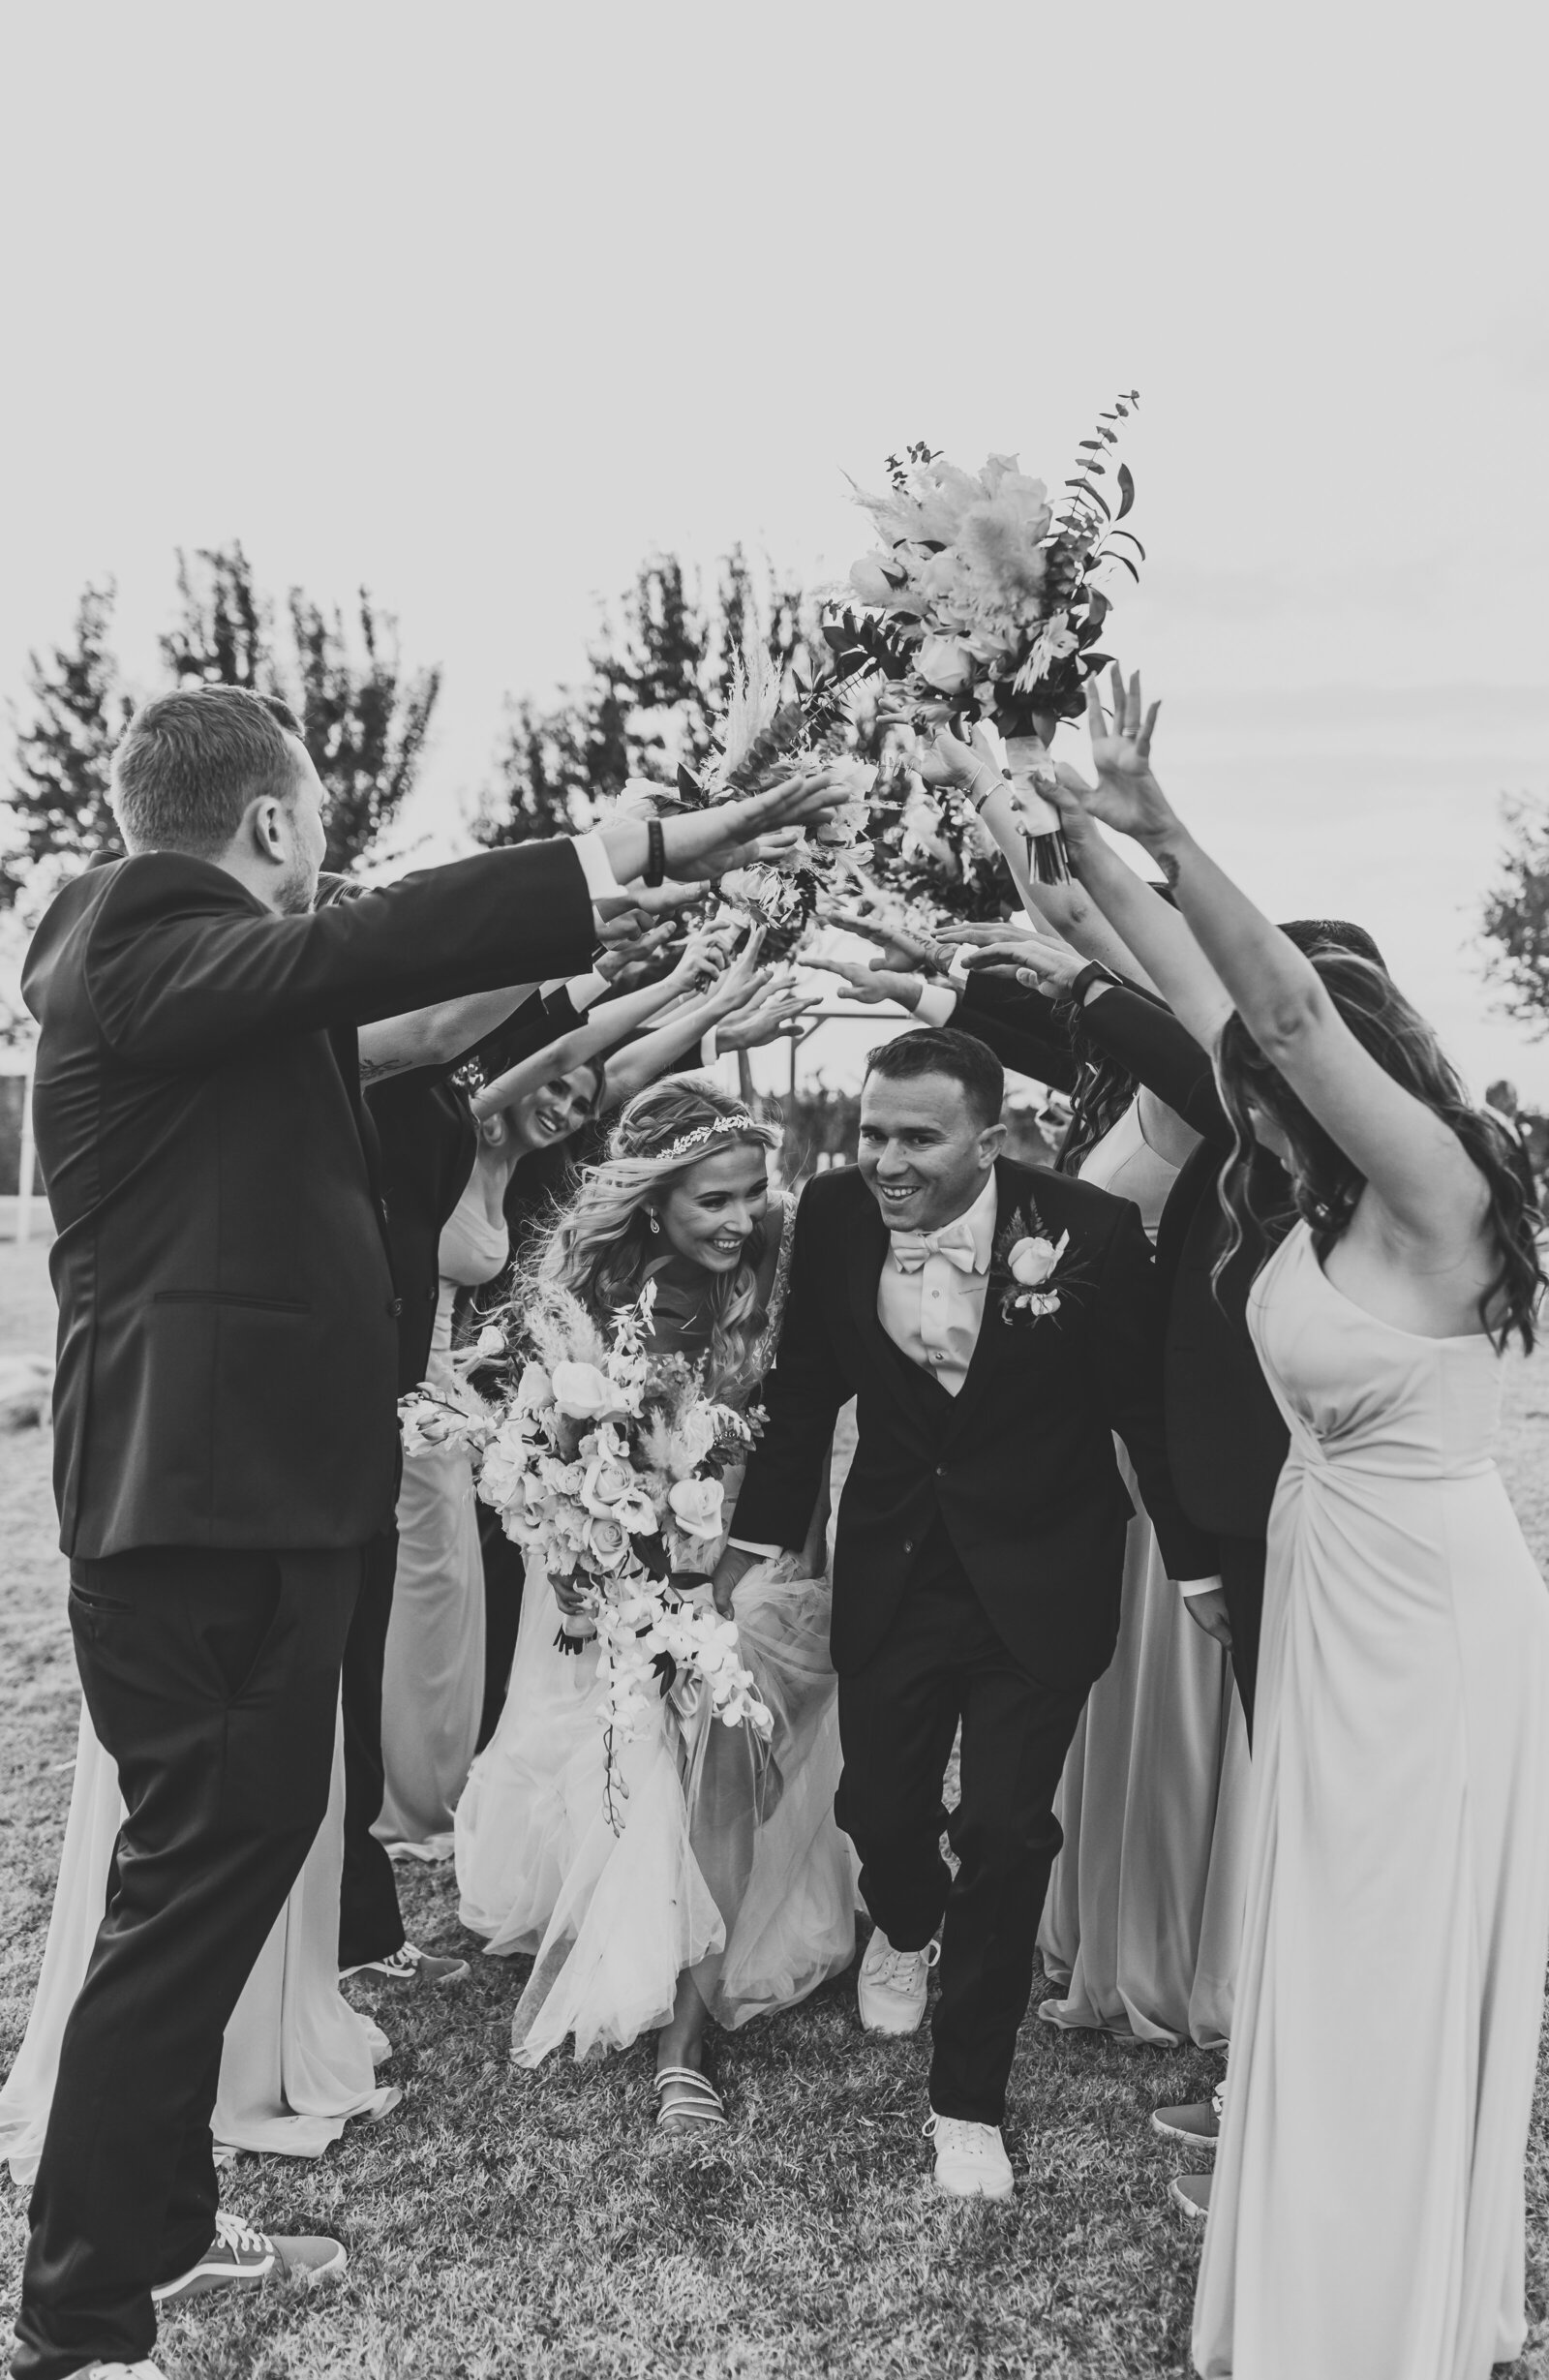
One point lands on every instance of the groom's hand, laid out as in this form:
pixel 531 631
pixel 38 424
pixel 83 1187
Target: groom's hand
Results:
pixel 1208 1610
pixel 734 1565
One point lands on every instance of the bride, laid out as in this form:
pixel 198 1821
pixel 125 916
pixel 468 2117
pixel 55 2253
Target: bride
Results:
pixel 729 1890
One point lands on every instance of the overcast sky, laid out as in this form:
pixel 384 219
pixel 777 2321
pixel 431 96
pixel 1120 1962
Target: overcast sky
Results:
pixel 478 306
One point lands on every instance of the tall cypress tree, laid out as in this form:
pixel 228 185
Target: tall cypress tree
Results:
pixel 77 710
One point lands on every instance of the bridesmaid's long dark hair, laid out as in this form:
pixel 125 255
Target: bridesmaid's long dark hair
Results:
pixel 1325 1186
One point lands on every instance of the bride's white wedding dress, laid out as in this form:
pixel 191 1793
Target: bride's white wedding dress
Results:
pixel 297 2062
pixel 728 1862
pixel 1367 2221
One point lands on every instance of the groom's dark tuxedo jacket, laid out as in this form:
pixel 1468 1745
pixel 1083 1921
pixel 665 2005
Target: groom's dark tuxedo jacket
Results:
pixel 1019 1465
pixel 228 1315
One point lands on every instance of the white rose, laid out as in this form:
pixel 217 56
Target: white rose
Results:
pixel 873 582
pixel 490 1342
pixel 535 1389
pixel 605 1487
pixel 607 1543
pixel 1032 1261
pixel 943 663
pixel 584 1394
pixel 696 1506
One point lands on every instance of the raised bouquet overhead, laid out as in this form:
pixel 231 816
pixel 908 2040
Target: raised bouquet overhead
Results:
pixel 982 601
pixel 607 1462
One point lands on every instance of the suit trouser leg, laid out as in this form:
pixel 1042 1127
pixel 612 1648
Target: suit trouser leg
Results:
pixel 370 1923
pixel 1242 1578
pixel 212 1680
pixel 505 1577
pixel 940 1662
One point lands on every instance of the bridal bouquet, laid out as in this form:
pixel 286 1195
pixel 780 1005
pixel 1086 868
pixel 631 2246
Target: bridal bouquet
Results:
pixel 979 602
pixel 607 1462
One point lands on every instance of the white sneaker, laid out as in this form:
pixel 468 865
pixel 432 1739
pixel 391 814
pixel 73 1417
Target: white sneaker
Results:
pixel 971 2160
pixel 892 1990
pixel 411 1964
pixel 239 2257
pixel 145 2369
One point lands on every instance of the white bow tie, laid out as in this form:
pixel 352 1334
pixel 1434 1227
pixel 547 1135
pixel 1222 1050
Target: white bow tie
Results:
pixel 954 1241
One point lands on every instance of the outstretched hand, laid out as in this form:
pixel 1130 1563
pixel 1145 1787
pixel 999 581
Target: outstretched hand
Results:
pixel 1127 795
pixel 775 1006
pixel 1035 960
pixel 898 949
pixel 710 843
pixel 872 980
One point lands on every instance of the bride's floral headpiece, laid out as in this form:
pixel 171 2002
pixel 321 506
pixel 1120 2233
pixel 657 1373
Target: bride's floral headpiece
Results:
pixel 723 1127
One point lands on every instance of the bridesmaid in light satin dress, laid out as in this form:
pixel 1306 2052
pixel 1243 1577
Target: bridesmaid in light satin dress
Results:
pixel 1367 2218
pixel 297 2060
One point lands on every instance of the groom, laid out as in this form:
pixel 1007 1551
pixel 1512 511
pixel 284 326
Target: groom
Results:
pixel 998 1324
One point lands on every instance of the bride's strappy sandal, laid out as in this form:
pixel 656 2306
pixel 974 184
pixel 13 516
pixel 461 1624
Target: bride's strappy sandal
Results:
pixel 704 2105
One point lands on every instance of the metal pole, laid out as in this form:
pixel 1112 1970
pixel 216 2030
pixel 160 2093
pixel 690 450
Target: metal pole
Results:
pixel 28 1160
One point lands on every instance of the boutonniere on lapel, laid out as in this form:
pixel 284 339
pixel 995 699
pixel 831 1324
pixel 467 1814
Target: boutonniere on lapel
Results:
pixel 1023 1265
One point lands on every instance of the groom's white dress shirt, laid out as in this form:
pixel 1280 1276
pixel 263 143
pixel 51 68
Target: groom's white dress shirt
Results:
pixel 931 1293
pixel 930 1299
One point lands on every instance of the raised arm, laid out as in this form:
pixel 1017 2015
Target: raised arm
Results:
pixel 435 1036
pixel 1430 1191
pixel 1069 909
pixel 181 962
pixel 605 1028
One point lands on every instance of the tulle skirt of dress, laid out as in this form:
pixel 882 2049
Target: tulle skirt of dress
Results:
pixel 728 1861
pixel 298 2061
pixel 1144 1913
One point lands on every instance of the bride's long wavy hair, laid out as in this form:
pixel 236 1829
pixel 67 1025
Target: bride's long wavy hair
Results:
pixel 1325 1186
pixel 601 1242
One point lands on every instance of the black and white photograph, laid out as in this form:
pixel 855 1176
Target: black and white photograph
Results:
pixel 773 1192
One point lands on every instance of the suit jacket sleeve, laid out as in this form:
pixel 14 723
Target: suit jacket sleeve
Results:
pixel 802 1399
pixel 182 964
pixel 1163 1055
pixel 1020 1027
pixel 1127 1347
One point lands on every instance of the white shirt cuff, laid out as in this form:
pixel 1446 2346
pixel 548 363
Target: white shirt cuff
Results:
pixel 1199 1586
pixel 746 1545
pixel 937 1005
pixel 583 990
pixel 709 1052
pixel 597 868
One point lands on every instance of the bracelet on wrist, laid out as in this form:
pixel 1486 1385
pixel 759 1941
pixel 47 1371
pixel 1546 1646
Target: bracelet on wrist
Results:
pixel 656 852
pixel 1094 972
pixel 977 795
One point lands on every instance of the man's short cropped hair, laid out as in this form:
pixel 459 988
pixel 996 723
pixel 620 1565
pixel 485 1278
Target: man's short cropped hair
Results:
pixel 187 764
pixel 936 1049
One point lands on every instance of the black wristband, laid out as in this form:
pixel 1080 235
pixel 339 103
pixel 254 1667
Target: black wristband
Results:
pixel 656 852
pixel 1094 972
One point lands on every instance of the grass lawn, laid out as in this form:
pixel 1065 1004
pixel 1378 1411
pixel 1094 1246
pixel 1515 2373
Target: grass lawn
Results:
pixel 505 2224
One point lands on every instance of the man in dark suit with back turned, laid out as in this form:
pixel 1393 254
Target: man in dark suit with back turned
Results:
pixel 980 1533
pixel 225 1409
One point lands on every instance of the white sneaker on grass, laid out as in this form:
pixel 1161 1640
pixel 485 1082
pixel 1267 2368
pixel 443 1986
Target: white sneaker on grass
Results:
pixel 239 2257
pixel 411 1965
pixel 144 2370
pixel 892 1988
pixel 971 2160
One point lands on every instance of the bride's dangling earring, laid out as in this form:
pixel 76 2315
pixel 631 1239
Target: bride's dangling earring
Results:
pixel 653 1221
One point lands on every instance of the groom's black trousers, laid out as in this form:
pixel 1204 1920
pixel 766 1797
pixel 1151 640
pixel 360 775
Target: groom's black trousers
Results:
pixel 212 1680
pixel 942 1661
